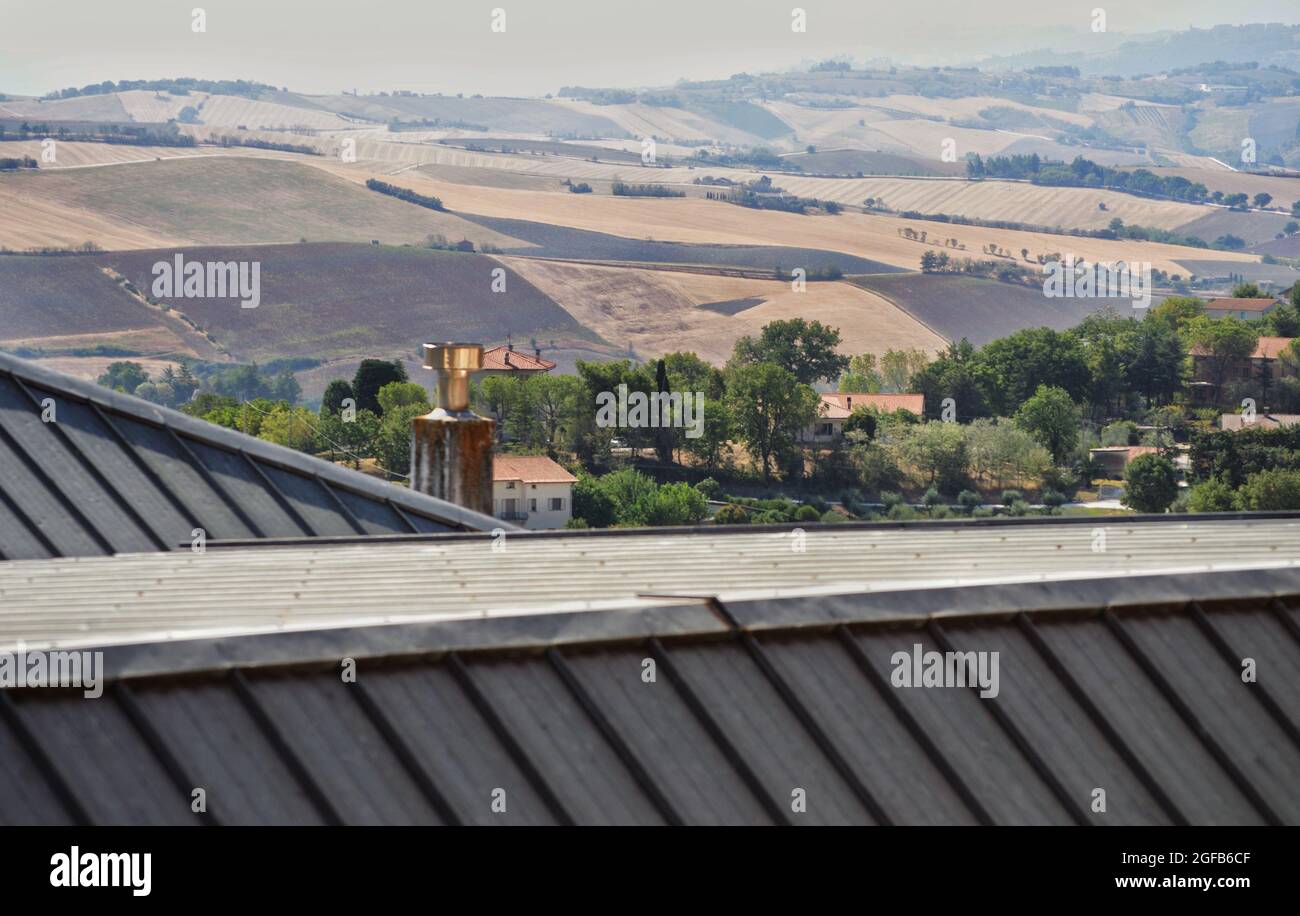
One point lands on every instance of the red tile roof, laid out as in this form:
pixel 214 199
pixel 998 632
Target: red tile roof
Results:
pixel 1265 348
pixel 837 405
pixel 529 469
pixel 1240 305
pixel 503 359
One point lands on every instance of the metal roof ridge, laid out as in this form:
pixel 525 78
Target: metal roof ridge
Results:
pixel 232 440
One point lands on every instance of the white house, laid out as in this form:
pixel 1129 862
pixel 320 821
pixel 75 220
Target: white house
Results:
pixel 532 491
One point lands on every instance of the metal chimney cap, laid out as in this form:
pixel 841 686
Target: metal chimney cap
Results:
pixel 465 357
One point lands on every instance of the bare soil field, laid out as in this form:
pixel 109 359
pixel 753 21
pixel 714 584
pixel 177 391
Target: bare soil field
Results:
pixel 980 310
pixel 1251 226
pixel 577 244
pixel 702 221
pixel 33 222
pixel 652 312
pixel 71 154
pixel 221 200
pixel 335 300
pixel 63 302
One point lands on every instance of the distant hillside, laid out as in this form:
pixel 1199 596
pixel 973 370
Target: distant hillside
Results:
pixel 227 200
pixel 1256 43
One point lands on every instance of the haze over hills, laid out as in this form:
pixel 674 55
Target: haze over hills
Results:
pixel 648 217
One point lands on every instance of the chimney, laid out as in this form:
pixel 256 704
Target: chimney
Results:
pixel 451 447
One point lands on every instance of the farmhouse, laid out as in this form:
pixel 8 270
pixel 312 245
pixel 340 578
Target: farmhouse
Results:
pixel 836 406
pixel 1239 308
pixel 532 491
pixel 1263 367
pixel 509 361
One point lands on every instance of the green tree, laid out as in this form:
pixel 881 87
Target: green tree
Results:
pixel 1051 418
pixel 392 442
pixel 1028 358
pixel 769 408
pixel 1271 490
pixel 898 367
pixel 957 373
pixel 673 504
pixel 1177 311
pixel 1150 483
pixel 294 427
pixel 402 394
pixel 591 503
pixel 1223 343
pixel 805 348
pixel 861 376
pixel 1156 360
pixel 938 450
pixel 710 447
pixel 335 392
pixel 1213 495
pixel 123 376
pixel 373 374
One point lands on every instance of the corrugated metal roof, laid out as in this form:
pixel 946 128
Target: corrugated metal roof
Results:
pixel 114 473
pixel 151 597
pixel 1128 685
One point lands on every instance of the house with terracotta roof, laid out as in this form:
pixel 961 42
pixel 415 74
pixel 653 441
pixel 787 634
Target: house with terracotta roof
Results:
pixel 1264 367
pixel 509 361
pixel 1239 308
pixel 836 406
pixel 531 491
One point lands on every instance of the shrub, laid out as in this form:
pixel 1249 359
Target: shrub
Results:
pixel 1150 483
pixel 891 499
pixel 709 488
pixel 732 515
pixel 901 512
pixel 1053 499
pixel 807 514
pixel 969 500
pixel 830 517
pixel 1271 490
pixel 932 498
pixel 1213 495
pixel 1012 496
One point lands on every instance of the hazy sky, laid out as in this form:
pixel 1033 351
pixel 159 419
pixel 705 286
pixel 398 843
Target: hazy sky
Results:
pixel 448 46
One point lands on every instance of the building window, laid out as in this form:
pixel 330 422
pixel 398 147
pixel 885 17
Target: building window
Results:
pixel 826 429
pixel 510 484
pixel 532 505
pixel 557 503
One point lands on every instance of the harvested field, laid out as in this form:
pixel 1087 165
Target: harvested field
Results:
pixel 91 368
pixel 33 222
pixel 660 121
pixel 980 310
pixel 222 200
pixel 852 161
pixel 653 312
pixel 576 244
pixel 537 116
pixel 702 221
pixel 69 154
pixel 573 150
pixel 335 300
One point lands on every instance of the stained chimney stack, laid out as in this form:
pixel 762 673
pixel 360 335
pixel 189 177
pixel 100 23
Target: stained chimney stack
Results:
pixel 451 447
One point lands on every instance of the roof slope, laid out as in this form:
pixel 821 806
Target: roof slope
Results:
pixel 700 713
pixel 529 469
pixel 309 585
pixel 115 473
